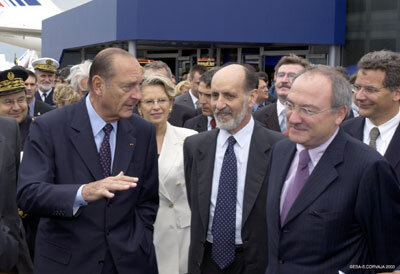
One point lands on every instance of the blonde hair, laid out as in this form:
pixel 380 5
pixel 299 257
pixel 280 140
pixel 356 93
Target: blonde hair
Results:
pixel 156 79
pixel 182 87
pixel 65 95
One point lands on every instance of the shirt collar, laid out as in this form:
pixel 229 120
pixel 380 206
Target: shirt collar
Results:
pixel 280 107
pixel 317 152
pixel 384 129
pixel 194 99
pixel 96 121
pixel 241 136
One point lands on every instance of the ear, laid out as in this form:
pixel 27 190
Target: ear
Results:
pixel 340 115
pixel 396 95
pixel 252 97
pixel 98 85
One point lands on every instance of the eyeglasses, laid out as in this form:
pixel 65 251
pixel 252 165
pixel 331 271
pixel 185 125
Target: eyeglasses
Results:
pixel 368 90
pixel 303 111
pixel 152 102
pixel 291 76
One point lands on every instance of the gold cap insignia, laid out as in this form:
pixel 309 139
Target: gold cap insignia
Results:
pixel 49 62
pixel 10 76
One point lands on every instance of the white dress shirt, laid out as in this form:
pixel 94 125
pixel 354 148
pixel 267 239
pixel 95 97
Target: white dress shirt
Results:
pixel 386 132
pixel 280 111
pixel 241 148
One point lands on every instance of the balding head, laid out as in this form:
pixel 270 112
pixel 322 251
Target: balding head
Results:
pixel 233 93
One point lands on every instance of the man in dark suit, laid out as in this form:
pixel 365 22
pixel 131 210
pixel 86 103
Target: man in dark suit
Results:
pixel 226 178
pixel 179 114
pixel 45 70
pixel 333 203
pixel 14 254
pixel 273 115
pixel 190 98
pixel 35 107
pixel 377 94
pixel 90 172
pixel 204 121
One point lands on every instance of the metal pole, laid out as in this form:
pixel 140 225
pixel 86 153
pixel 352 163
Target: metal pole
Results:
pixel 132 47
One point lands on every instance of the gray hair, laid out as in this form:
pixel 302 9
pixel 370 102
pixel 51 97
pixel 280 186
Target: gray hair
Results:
pixel 158 65
pixel 384 60
pixel 79 72
pixel 341 88
pixel 159 80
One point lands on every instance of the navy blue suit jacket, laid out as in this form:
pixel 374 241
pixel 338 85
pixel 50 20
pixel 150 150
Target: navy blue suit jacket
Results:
pixel 355 127
pixel 49 97
pixel 348 212
pixel 60 155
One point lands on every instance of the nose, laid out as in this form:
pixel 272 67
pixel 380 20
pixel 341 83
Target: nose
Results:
pixel 135 93
pixel 16 106
pixel 293 116
pixel 359 95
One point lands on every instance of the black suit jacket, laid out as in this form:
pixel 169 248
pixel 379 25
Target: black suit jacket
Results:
pixel 185 99
pixel 355 127
pixel 348 212
pixel 24 130
pixel 10 222
pixel 198 123
pixel 49 97
pixel 199 157
pixel 180 114
pixel 41 108
pixel 268 116
pixel 60 155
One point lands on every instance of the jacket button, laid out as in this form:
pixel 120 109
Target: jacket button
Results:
pixel 101 261
pixel 171 205
pixel 281 261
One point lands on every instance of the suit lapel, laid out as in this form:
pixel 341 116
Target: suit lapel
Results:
pixel 2 148
pixel 272 121
pixel 203 123
pixel 206 157
pixel 82 138
pixel 284 157
pixel 124 147
pixel 322 176
pixel 358 129
pixel 392 154
pixel 256 170
pixel 169 153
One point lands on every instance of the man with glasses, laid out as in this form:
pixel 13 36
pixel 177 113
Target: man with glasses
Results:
pixel 377 94
pixel 333 203
pixel 273 115
pixel 263 97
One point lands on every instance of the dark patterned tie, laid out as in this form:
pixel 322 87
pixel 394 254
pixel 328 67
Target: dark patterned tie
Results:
pixel 373 135
pixel 300 179
pixel 223 227
pixel 44 97
pixel 105 151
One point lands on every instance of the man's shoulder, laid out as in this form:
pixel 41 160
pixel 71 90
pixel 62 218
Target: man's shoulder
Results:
pixel 264 110
pixel 7 122
pixel 182 97
pixel 194 120
pixel 265 133
pixel 352 122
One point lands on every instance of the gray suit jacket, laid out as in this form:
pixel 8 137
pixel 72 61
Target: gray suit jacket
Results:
pixel 11 256
pixel 199 155
pixel 185 100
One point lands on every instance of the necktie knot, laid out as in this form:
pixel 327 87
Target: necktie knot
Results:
pixel 304 158
pixel 107 129
pixel 231 141
pixel 373 135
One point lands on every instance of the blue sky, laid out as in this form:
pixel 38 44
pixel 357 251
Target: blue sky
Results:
pixel 10 50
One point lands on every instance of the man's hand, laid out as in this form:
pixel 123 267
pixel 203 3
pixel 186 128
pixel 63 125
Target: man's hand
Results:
pixel 105 188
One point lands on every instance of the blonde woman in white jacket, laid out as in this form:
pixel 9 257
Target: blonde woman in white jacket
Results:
pixel 172 226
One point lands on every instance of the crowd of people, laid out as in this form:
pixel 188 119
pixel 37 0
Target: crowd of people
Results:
pixel 109 167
